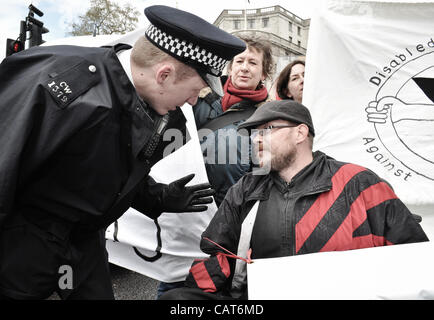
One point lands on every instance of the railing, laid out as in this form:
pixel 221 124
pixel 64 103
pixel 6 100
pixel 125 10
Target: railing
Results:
pixel 260 11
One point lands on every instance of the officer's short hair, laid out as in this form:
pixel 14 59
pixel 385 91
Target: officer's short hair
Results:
pixel 145 55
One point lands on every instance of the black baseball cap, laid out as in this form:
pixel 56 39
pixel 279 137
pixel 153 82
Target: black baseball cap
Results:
pixel 193 41
pixel 283 109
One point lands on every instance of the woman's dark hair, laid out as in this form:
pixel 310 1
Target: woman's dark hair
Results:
pixel 263 46
pixel 283 79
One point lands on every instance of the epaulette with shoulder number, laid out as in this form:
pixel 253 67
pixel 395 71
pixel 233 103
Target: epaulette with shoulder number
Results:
pixel 69 84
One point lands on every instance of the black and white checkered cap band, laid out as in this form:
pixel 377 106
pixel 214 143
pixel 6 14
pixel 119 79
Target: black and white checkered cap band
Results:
pixel 186 50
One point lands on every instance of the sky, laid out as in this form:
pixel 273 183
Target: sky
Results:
pixel 59 14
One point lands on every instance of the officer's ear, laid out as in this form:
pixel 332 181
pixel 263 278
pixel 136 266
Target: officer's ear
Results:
pixel 164 72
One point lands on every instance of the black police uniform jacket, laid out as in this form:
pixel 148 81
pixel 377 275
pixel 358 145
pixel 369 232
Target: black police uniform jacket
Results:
pixel 328 206
pixel 72 131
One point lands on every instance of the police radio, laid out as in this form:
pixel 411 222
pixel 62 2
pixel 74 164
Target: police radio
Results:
pixel 153 142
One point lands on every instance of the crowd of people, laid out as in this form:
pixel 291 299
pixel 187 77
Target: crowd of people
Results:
pixel 218 118
pixel 78 147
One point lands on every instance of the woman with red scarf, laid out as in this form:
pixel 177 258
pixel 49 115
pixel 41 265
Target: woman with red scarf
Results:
pixel 227 154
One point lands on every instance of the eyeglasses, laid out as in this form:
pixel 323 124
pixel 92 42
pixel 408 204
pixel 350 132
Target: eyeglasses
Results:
pixel 267 129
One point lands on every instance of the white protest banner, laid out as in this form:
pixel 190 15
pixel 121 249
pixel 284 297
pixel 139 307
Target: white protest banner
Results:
pixel 370 88
pixel 392 272
pixel 165 249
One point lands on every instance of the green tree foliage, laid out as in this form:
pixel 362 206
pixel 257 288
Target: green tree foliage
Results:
pixel 106 17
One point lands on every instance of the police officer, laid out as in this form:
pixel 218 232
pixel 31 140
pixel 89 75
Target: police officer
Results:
pixel 80 130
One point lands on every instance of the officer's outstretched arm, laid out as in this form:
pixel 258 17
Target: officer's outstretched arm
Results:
pixel 157 198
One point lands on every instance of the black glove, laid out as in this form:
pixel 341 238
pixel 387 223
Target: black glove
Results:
pixel 176 197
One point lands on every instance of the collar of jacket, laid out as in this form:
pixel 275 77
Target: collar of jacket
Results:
pixel 260 187
pixel 243 105
pixel 142 124
pixel 140 115
pixel 144 120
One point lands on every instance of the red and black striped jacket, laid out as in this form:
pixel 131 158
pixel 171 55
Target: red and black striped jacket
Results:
pixel 337 206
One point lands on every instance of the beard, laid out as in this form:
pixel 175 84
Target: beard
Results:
pixel 283 160
pixel 268 163
pixel 269 159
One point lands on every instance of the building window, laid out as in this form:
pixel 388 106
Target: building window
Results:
pixel 290 26
pixel 290 39
pixel 299 43
pixel 265 22
pixel 251 23
pixel 299 31
pixel 237 24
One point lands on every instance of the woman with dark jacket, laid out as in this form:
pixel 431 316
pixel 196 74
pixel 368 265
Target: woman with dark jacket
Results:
pixel 225 153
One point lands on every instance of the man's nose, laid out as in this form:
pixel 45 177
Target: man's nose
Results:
pixel 257 139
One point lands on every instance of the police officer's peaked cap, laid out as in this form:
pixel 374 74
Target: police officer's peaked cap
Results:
pixel 193 41
pixel 282 109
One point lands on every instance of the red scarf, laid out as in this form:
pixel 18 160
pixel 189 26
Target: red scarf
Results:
pixel 233 95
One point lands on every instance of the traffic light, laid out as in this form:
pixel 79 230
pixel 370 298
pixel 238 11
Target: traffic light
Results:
pixel 35 28
pixel 13 46
pixel 36 31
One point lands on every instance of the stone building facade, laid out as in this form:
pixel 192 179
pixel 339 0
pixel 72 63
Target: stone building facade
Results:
pixel 287 33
